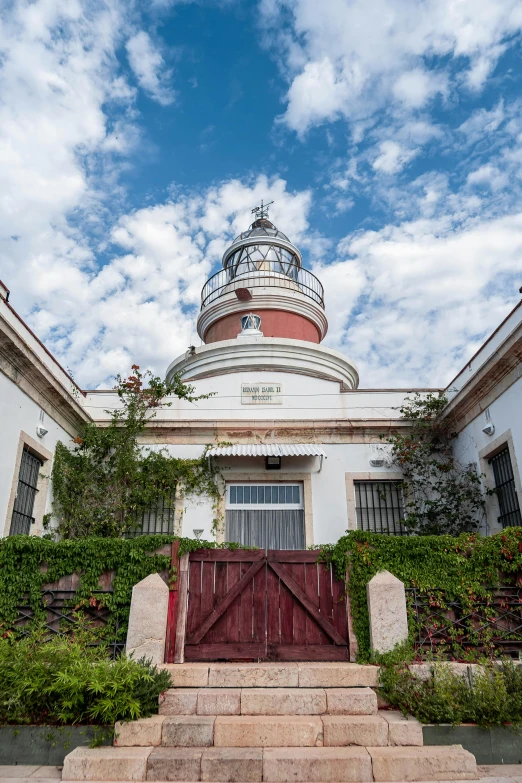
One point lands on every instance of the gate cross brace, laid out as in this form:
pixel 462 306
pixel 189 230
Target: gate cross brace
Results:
pixel 319 618
pixel 198 635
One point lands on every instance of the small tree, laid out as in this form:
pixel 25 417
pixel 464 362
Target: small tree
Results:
pixel 441 496
pixel 102 486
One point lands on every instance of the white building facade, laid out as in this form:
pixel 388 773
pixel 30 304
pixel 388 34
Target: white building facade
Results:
pixel 296 441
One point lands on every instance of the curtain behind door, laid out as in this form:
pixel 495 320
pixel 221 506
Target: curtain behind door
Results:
pixel 266 528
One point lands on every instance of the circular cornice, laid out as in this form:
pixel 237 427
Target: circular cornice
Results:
pixel 273 354
pixel 273 298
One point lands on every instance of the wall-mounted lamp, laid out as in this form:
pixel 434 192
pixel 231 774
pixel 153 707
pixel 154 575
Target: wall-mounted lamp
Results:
pixel 273 463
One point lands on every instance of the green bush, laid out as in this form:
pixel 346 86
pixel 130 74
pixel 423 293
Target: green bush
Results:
pixel 490 695
pixel 70 681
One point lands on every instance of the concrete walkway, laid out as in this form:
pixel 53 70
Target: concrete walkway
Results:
pixel 24 773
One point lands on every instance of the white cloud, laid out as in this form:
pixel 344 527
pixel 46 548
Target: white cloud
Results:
pixel 414 88
pixel 359 56
pixel 142 304
pixel 392 157
pixel 149 68
pixel 421 295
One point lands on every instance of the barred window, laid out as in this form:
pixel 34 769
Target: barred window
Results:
pixel 157 519
pixel 379 507
pixel 22 518
pixel 506 490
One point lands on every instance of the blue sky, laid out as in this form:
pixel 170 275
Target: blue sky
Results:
pixel 135 138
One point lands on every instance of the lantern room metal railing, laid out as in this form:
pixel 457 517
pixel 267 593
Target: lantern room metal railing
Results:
pixel 294 278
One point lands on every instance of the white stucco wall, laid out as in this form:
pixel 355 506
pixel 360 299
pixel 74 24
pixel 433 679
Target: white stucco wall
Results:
pixel 19 413
pixel 303 398
pixel 472 443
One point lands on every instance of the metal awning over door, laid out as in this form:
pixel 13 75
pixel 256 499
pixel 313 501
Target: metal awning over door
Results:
pixel 267 450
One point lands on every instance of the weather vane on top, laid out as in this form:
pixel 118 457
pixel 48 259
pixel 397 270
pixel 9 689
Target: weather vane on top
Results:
pixel 262 211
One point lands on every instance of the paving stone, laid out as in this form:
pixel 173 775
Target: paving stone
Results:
pixel 337 675
pixel 174 764
pixel 18 770
pixel 402 730
pixel 351 701
pixel 232 765
pixel 47 773
pixel 361 730
pixel 256 731
pixel 106 763
pixel 188 731
pixel 219 701
pixel 142 733
pixel 283 701
pixel 250 675
pixel 187 675
pixel 342 765
pixel 179 701
pixel 444 762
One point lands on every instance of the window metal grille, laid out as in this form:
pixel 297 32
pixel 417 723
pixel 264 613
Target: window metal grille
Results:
pixel 158 519
pixel 22 518
pixel 379 507
pixel 506 490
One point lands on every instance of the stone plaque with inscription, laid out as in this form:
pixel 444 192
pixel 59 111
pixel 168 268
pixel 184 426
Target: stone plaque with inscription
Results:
pixel 261 394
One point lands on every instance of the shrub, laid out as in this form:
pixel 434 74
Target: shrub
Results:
pixel 68 681
pixel 490 695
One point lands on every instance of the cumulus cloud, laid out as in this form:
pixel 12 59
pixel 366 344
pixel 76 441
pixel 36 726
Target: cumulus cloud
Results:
pixel 149 68
pixel 392 157
pixel 422 295
pixel 142 304
pixel 358 56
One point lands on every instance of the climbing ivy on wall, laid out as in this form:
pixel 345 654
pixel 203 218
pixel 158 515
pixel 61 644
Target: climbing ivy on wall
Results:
pixel 464 568
pixel 441 496
pixel 107 480
pixel 28 563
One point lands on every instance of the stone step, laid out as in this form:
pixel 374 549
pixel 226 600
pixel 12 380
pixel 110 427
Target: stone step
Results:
pixel 268 701
pixel 271 764
pixel 433 762
pixel 272 675
pixel 385 728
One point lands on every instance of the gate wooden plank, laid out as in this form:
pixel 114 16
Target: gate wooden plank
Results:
pixel 223 605
pixel 208 569
pixel 309 606
pixel 228 555
pixel 172 615
pixel 314 634
pixel 339 607
pixel 299 613
pixel 232 613
pixel 308 652
pixel 220 591
pixel 194 587
pixel 259 608
pixel 293 556
pixel 325 593
pixel 213 652
pixel 286 609
pixel 272 608
pixel 246 609
pixel 181 625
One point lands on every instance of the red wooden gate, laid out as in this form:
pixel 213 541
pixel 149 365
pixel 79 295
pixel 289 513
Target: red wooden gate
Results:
pixel 275 606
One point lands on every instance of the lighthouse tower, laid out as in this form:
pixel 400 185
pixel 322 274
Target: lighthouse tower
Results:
pixel 263 311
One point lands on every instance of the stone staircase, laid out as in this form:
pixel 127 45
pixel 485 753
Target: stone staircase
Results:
pixel 277 723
